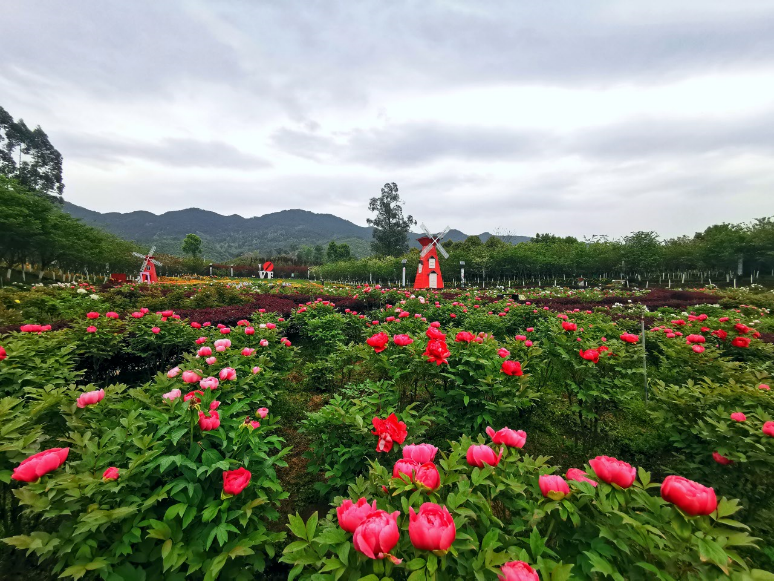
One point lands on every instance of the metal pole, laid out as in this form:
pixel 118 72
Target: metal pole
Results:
pixel 644 358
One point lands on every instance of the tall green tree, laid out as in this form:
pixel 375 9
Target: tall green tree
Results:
pixel 28 156
pixel 391 228
pixel 192 245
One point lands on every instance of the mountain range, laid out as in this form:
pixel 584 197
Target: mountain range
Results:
pixel 226 237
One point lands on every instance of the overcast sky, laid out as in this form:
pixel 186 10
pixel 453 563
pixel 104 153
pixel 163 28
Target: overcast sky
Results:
pixel 519 116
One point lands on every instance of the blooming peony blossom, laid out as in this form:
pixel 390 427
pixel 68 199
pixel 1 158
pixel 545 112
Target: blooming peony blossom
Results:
pixel 3 354
pixel 692 497
pixel 379 341
pixel 517 571
pixel 464 337
pixel 377 535
pixel 402 340
pixel 209 421
pixel 553 486
pixel 405 467
pixel 90 398
pixel 389 430
pixel 579 476
pixel 191 377
pixel 262 412
pixel 209 383
pixel 437 352
pixel 720 459
pixel 227 374
pixel 738 417
pixel 39 464
pixel 235 481
pixel 510 438
pixel 590 355
pixel 768 428
pixel 351 515
pixel 421 453
pixel 110 474
pixel 432 528
pixel 222 344
pixel 503 352
pixel 511 368
pixel 172 395
pixel 614 471
pixel 479 455
pixel 742 342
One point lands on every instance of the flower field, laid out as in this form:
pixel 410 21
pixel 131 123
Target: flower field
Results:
pixel 248 430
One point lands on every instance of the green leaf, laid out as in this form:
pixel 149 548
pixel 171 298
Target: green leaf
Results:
pixel 166 548
pixel 177 434
pixel 297 526
pixel 709 550
pixel 415 564
pixel 311 526
pixel 74 571
pixel 536 543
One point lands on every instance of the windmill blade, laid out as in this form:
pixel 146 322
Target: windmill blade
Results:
pixel 425 230
pixel 138 255
pixel 425 250
pixel 442 250
pixel 444 233
pixel 152 250
pixel 156 262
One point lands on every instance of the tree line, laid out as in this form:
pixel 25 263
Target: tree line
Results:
pixel 718 251
pixel 35 231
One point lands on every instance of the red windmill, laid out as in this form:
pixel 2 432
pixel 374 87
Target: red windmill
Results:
pixel 429 270
pixel 148 269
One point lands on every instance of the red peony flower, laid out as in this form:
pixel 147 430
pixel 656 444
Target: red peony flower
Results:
pixel 39 464
pixel 436 352
pixel 235 481
pixel 389 431
pixel 511 368
pixel 379 341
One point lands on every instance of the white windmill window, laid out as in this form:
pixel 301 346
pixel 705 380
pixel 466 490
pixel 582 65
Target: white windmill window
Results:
pixel 432 263
pixel 419 270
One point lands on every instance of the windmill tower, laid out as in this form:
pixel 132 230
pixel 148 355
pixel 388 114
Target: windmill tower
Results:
pixel 429 270
pixel 148 269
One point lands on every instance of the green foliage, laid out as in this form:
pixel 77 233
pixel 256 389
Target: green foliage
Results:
pixel 28 156
pixel 32 228
pixel 192 245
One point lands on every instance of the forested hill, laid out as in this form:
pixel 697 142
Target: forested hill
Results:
pixel 226 237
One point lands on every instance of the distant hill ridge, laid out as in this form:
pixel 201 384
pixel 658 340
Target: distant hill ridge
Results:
pixel 226 237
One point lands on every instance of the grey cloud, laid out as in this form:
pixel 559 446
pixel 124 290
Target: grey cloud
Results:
pixel 173 152
pixel 414 144
pixel 306 56
pixel 640 138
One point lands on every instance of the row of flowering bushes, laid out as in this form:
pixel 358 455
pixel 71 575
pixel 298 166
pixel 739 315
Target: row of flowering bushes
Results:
pixel 178 474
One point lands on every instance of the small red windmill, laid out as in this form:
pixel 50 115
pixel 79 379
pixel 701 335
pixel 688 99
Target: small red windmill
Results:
pixel 429 270
pixel 148 269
